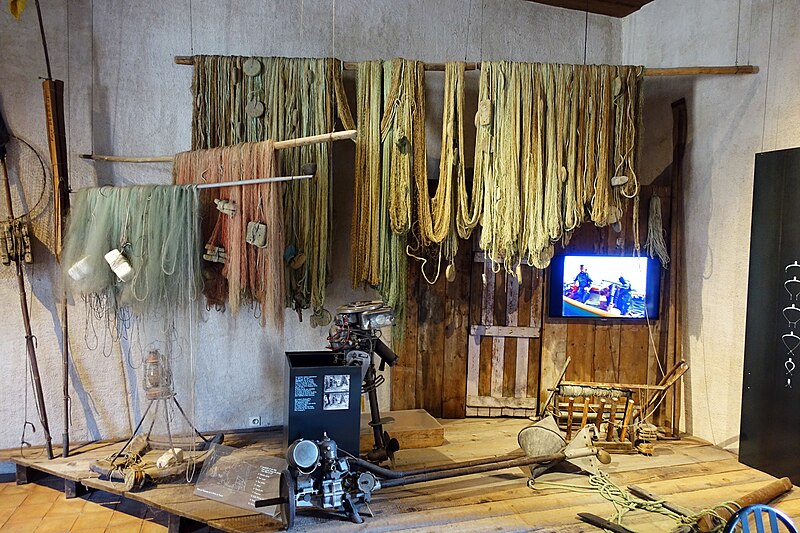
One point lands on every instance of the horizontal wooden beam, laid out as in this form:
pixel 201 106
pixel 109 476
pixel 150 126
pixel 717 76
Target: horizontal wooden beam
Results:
pixel 701 71
pixel 611 8
pixel 613 385
pixel 648 71
pixel 504 402
pixel 279 145
pixel 528 332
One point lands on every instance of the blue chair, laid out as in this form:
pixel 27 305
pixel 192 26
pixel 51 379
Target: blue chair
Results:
pixel 742 516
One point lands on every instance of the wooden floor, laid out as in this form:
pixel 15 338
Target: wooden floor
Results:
pixel 689 472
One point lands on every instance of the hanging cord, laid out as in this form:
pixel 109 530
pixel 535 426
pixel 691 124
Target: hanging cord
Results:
pixel 364 228
pixel 393 259
pixel 655 244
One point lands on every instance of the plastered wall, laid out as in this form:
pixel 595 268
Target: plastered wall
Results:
pixel 730 119
pixel 125 95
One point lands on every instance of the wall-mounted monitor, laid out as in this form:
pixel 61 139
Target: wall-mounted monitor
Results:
pixel 604 287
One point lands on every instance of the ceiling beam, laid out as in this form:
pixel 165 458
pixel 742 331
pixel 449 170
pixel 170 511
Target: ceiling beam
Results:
pixel 611 8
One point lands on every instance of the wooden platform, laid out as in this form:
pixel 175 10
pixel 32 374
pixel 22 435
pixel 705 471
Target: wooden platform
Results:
pixel 413 428
pixel 689 472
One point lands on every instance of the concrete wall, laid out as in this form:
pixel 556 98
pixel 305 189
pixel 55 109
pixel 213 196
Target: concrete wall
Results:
pixel 731 118
pixel 126 96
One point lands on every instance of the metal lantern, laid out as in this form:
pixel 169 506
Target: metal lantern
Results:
pixel 157 376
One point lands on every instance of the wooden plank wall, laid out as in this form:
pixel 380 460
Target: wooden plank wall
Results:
pixel 432 370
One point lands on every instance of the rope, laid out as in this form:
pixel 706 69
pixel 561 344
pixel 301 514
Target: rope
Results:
pixel 377 252
pixel 624 502
pixel 550 138
pixel 364 236
pixel 655 244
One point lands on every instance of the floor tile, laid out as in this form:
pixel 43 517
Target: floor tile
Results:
pixel 123 519
pixel 58 524
pixel 41 497
pixel 127 527
pixel 4 514
pixel 22 526
pixel 92 520
pixel 152 527
pixel 12 501
pixel 25 512
pixel 64 506
pixel 13 488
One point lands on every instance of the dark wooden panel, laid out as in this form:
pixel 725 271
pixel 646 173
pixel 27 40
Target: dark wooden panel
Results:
pixel 770 420
pixel 404 373
pixel 485 375
pixel 612 8
pixel 580 347
pixel 430 344
pixel 454 380
pixel 634 346
pixel 606 363
pixel 534 366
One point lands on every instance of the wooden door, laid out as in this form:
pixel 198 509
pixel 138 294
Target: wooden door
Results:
pixel 504 347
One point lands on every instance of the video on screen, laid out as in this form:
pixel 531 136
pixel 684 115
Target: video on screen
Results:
pixel 604 286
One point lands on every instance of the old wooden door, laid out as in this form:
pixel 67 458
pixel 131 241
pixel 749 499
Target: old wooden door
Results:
pixel 504 348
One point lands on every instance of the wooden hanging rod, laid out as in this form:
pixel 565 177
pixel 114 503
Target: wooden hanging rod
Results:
pixel 252 182
pixel 670 71
pixel 290 143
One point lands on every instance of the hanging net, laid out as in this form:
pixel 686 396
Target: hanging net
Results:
pixel 248 99
pixel 245 222
pixel 149 235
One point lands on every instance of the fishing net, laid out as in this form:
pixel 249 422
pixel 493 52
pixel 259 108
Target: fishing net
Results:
pixel 253 271
pixel 248 99
pixel 154 228
pixel 30 190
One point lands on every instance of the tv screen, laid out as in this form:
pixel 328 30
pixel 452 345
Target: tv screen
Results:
pixel 604 287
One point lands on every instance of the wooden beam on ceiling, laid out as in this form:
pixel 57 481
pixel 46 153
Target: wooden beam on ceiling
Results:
pixel 612 8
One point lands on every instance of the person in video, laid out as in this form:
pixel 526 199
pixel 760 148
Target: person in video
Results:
pixel 584 284
pixel 623 296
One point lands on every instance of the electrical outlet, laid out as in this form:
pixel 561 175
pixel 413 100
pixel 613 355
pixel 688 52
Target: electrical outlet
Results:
pixel 254 422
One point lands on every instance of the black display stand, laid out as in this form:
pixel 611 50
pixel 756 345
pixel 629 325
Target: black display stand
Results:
pixel 770 426
pixel 322 397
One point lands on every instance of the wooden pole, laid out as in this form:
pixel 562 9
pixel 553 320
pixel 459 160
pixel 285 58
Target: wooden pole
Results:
pixel 570 411
pixel 654 72
pixel 765 494
pixel 599 419
pixel 585 411
pixel 280 145
pixel 676 249
pixel 26 322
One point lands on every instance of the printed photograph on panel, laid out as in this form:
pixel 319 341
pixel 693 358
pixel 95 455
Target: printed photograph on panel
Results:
pixel 337 383
pixel 333 401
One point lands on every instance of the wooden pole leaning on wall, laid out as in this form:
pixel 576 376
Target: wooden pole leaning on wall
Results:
pixel 279 145
pixel 668 71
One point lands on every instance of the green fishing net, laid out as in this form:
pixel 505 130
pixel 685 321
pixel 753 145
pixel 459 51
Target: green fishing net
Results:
pixel 156 229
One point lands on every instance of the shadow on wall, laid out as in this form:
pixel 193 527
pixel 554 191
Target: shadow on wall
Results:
pixel 101 122
pixel 43 276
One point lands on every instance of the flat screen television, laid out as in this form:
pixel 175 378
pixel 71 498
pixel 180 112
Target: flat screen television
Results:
pixel 604 287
